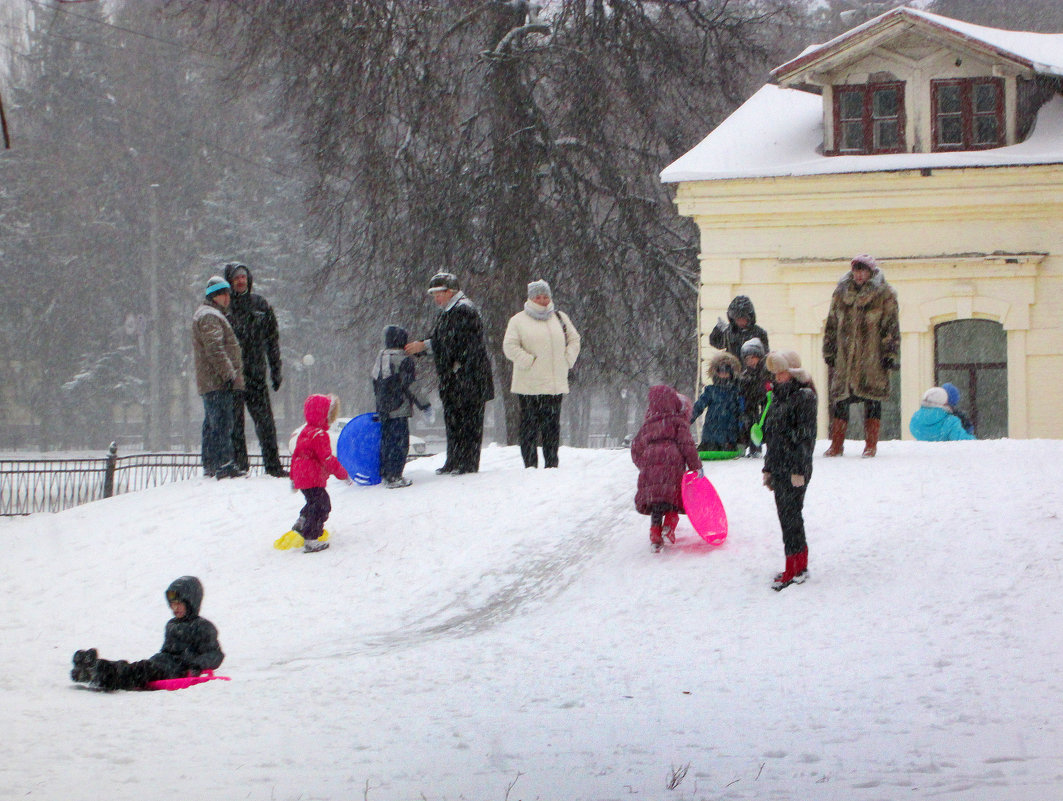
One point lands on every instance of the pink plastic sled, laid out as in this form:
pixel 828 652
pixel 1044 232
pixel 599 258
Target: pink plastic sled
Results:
pixel 187 681
pixel 704 508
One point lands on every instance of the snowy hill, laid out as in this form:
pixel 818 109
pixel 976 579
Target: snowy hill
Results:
pixel 509 635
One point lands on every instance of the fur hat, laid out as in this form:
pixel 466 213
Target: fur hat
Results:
pixel 216 284
pixel 935 396
pixel 780 361
pixel 865 261
pixel 753 347
pixel 952 392
pixel 441 282
pixel 537 288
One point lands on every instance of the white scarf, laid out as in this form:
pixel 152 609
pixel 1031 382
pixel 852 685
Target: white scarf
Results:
pixel 539 312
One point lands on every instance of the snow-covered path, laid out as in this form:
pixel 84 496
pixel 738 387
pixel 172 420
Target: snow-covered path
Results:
pixel 509 634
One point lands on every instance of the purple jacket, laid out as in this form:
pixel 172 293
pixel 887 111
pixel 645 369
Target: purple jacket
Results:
pixel 663 450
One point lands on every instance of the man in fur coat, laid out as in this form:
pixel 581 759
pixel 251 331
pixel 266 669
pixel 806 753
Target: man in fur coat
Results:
pixel 860 347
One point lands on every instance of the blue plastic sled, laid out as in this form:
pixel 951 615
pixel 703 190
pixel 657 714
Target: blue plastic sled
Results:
pixel 358 449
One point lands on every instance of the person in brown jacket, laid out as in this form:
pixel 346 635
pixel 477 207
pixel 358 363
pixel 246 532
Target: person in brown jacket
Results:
pixel 219 374
pixel 860 346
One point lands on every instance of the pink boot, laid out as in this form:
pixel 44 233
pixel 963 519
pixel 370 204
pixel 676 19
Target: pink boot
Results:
pixel 655 538
pixel 786 578
pixel 671 520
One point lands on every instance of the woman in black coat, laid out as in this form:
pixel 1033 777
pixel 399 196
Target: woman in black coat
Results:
pixel 790 438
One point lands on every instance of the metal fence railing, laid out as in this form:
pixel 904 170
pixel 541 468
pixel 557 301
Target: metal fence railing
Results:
pixel 52 485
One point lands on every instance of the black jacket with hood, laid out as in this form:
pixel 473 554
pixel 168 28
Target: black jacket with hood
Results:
pixel 255 325
pixel 191 642
pixel 731 338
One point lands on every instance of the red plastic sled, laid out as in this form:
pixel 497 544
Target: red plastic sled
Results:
pixel 187 681
pixel 704 508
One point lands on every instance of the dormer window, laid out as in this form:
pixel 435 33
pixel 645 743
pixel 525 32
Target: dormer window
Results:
pixel 968 113
pixel 869 118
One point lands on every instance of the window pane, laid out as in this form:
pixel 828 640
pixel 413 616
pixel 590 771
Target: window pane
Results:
pixel 950 131
pixel 851 105
pixel 948 99
pixel 886 135
pixel 985 97
pixel 886 103
pixel 852 136
pixel 985 130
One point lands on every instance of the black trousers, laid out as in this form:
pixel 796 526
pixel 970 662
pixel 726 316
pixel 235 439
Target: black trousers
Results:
pixel 256 401
pixel 540 419
pixel 790 504
pixel 464 423
pixel 872 408
pixel 118 674
pixel 315 512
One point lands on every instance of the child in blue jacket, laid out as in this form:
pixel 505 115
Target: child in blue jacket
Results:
pixel 933 422
pixel 722 403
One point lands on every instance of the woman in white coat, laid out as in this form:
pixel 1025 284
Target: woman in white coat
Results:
pixel 543 345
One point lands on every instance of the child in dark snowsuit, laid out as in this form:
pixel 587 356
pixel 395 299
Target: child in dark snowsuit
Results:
pixel 722 405
pixel 312 463
pixel 663 450
pixel 397 392
pixel 754 382
pixel 189 647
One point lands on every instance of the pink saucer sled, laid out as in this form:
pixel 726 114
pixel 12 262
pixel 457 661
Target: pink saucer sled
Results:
pixel 704 508
pixel 187 681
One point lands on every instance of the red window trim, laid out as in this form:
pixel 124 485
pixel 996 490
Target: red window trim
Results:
pixel 868 90
pixel 967 112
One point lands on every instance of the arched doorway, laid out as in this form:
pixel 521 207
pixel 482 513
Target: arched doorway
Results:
pixel 973 355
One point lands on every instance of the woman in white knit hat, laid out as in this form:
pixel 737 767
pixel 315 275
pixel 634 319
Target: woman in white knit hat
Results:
pixel 789 439
pixel 543 345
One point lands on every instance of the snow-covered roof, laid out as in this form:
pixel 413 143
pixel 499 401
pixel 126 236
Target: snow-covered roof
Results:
pixel 1041 52
pixel 779 132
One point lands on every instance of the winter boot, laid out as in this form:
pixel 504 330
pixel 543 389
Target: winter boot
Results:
pixel 397 483
pixel 313 546
pixel 801 567
pixel 671 520
pixel 871 427
pixel 84 665
pixel 655 538
pixel 786 578
pixel 837 437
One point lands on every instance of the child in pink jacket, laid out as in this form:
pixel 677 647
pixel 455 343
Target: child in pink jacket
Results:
pixel 312 463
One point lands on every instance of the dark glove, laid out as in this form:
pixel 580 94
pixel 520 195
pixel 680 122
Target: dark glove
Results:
pixel 276 380
pixel 228 385
pixel 888 363
pixel 829 360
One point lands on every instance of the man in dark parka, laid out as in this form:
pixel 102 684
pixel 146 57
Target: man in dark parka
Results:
pixel 255 325
pixel 465 384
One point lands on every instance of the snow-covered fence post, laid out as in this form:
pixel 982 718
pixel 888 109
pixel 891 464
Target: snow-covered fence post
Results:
pixel 108 472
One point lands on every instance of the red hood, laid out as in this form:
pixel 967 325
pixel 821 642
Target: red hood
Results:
pixel 663 401
pixel 316 409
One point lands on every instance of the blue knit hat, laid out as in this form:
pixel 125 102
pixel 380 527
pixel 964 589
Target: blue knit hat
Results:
pixel 952 392
pixel 216 284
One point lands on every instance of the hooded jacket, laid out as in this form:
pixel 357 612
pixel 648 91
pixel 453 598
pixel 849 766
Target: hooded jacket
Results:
pixel 722 403
pixel 393 359
pixel 313 460
pixel 255 326
pixel 730 337
pixel 861 338
pixel 937 424
pixel 663 450
pixel 190 645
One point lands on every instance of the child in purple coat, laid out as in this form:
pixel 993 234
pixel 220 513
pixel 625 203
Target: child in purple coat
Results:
pixel 663 450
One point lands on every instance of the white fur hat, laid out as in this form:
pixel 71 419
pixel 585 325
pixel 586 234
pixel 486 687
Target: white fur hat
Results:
pixel 779 361
pixel 935 396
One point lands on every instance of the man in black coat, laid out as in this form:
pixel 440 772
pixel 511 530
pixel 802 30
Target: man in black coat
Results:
pixel 465 383
pixel 255 325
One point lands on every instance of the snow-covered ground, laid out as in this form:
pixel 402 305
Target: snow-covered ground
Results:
pixel 509 635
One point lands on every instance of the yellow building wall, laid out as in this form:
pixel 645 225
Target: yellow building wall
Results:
pixel 955 244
